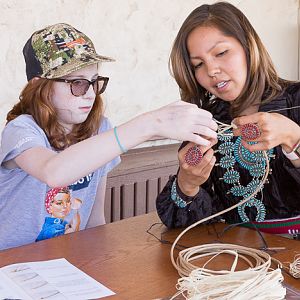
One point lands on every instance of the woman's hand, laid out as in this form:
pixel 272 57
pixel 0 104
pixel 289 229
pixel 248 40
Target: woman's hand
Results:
pixel 275 129
pixel 191 177
pixel 184 122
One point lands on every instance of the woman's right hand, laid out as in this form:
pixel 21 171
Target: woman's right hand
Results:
pixel 190 178
pixel 184 122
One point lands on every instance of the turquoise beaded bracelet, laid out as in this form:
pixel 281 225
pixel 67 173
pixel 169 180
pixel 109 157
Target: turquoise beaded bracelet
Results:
pixel 176 198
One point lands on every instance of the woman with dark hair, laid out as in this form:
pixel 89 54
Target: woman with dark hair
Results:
pixel 220 64
pixel 56 136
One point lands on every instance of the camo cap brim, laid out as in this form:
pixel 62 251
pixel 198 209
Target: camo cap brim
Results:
pixel 59 50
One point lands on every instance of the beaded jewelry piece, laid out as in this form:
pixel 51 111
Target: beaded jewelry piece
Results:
pixel 193 156
pixel 234 152
pixel 176 198
pixel 250 131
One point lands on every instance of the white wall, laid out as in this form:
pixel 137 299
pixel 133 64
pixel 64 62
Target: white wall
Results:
pixel 139 34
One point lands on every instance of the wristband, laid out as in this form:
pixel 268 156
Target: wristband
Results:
pixel 123 149
pixel 294 154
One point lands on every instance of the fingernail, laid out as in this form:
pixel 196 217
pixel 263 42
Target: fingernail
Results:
pixel 233 125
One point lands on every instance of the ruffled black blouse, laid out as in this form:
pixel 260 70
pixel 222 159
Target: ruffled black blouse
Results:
pixel 280 196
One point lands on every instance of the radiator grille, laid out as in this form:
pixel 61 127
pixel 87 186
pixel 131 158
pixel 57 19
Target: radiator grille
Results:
pixel 132 199
pixel 133 186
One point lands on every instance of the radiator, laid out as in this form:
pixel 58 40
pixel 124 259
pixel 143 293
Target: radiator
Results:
pixel 133 186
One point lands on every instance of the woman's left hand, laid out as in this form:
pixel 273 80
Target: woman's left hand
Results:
pixel 275 129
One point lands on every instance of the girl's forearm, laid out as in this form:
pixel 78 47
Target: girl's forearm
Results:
pixel 85 157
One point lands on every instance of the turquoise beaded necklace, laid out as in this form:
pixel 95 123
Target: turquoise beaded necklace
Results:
pixel 257 163
pixel 233 154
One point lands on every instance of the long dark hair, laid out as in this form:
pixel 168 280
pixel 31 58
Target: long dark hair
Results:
pixel 35 100
pixel 262 80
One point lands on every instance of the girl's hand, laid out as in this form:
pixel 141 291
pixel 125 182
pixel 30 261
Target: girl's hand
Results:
pixel 275 129
pixel 76 203
pixel 184 122
pixel 191 177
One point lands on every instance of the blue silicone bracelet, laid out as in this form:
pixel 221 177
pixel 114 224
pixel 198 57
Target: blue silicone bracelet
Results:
pixel 123 149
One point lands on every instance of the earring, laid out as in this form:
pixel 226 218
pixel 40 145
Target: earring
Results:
pixel 207 94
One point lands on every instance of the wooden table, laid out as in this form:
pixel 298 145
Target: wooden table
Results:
pixel 131 262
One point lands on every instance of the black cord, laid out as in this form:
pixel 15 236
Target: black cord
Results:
pixel 265 246
pixel 219 235
pixel 162 240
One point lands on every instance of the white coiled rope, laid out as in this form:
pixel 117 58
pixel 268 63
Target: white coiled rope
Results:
pixel 258 281
pixel 294 268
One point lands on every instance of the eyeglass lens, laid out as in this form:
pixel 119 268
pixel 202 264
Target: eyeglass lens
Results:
pixel 80 86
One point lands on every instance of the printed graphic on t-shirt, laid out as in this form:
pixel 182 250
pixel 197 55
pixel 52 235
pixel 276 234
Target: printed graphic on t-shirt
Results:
pixel 59 205
pixel 63 210
pixel 81 183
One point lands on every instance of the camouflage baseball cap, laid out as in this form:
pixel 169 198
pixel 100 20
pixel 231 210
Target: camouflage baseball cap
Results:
pixel 58 50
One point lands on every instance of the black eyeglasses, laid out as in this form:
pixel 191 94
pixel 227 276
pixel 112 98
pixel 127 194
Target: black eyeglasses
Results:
pixel 79 87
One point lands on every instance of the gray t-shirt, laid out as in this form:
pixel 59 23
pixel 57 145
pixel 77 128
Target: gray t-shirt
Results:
pixel 29 209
